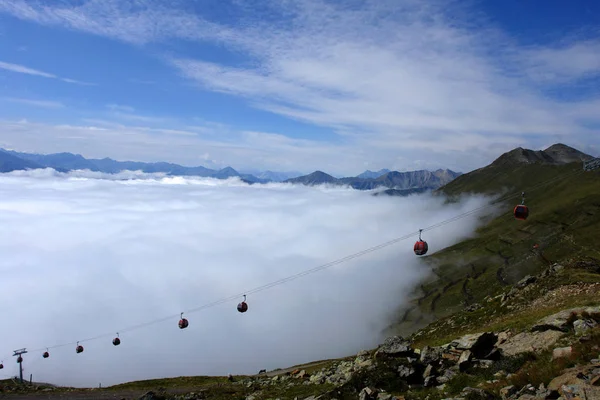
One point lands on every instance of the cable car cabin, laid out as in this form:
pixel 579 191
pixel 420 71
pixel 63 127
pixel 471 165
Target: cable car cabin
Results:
pixel 46 354
pixel 421 247
pixel 183 323
pixel 116 341
pixel 242 307
pixel 1 366
pixel 521 212
pixel 79 349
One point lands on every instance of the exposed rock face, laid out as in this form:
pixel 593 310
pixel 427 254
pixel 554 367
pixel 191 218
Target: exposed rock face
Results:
pixel 529 342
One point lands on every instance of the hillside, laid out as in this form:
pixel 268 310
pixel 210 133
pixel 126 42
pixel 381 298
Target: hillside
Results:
pixel 514 170
pixel 564 222
pixel 512 313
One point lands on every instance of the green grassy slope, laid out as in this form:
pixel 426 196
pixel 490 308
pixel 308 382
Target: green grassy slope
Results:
pixel 564 221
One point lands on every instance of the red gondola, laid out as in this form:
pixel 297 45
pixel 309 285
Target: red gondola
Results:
pixel 421 246
pixel 243 306
pixel 46 354
pixel 521 211
pixel 1 365
pixel 79 348
pixel 183 323
pixel 117 341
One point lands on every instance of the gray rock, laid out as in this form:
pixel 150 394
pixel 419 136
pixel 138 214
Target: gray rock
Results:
pixel 430 354
pixel 528 280
pixel 529 342
pixel 448 374
pixel 395 346
pixel 561 352
pixel 368 394
pixel 558 321
pixel 583 325
pixel 464 358
pixel 405 371
pixel 429 371
pixel 507 391
pixel 480 344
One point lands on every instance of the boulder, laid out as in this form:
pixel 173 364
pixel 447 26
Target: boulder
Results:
pixel 395 346
pixel 480 344
pixel 581 326
pixel 529 342
pixel 430 354
pixel 559 321
pixel 561 352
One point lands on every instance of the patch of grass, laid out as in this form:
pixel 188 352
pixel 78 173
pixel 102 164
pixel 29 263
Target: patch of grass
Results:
pixel 300 391
pixel 455 385
pixel 172 383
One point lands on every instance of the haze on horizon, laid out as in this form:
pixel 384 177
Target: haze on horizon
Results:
pixel 334 85
pixel 87 254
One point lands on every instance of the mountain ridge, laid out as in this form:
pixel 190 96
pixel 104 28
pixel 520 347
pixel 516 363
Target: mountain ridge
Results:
pixel 399 182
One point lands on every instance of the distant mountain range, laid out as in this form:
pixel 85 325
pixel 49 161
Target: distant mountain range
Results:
pixel 398 183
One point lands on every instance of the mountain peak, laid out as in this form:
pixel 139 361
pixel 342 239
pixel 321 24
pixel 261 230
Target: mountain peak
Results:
pixel 563 154
pixel 558 153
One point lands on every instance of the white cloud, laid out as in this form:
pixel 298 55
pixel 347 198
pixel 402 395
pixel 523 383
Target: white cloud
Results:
pixel 33 102
pixel 565 63
pixel 24 70
pixel 97 255
pixel 120 107
pixel 31 71
pixel 389 78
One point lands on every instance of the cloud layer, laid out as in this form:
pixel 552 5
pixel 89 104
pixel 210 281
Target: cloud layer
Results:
pixel 88 254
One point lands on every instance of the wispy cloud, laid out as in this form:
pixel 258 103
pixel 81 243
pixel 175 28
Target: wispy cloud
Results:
pixel 563 63
pixel 120 107
pixel 25 70
pixel 31 71
pixel 388 76
pixel 33 102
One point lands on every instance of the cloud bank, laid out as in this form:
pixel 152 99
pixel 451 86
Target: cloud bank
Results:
pixel 88 254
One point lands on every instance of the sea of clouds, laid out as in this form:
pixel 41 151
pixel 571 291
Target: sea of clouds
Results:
pixel 89 254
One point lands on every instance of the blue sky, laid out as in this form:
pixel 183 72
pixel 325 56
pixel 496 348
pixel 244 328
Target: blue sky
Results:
pixel 339 86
